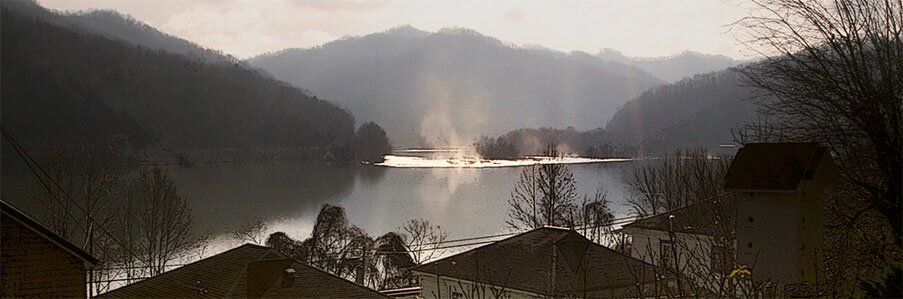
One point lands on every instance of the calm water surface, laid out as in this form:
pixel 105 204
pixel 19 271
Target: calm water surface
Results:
pixel 288 196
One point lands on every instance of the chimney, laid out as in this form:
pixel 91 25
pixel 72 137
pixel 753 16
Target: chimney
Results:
pixel 288 277
pixel 262 274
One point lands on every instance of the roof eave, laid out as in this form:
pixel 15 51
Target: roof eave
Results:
pixel 788 191
pixel 20 217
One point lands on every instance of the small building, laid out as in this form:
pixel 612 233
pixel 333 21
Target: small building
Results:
pixel 691 230
pixel 781 189
pixel 697 240
pixel 404 293
pixel 36 262
pixel 247 271
pixel 544 262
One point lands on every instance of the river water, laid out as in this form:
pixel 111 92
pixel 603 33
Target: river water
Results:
pixel 465 202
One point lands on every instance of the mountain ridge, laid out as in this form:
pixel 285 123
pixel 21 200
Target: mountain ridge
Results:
pixel 693 112
pixel 453 85
pixel 148 96
pixel 672 68
pixel 123 27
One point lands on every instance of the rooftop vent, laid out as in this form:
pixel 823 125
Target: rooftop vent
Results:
pixel 288 277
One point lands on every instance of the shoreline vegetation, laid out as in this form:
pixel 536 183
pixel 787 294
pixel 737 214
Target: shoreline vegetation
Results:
pixel 393 161
pixel 186 158
pixel 524 143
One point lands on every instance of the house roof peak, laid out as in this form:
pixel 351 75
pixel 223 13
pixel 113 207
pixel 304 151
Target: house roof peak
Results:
pixel 774 167
pixel 528 260
pixel 10 211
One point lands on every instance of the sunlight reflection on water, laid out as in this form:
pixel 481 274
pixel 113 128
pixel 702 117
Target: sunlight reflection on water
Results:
pixel 440 162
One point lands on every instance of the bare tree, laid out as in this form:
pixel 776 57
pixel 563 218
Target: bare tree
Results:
pixel 286 245
pixel 349 252
pixel 559 191
pixel 332 241
pixel 254 232
pixel 545 195
pixel 86 177
pixel 697 246
pixel 524 201
pixel 596 218
pixel 163 220
pixel 394 260
pixel 76 196
pixel 678 179
pixel 422 238
pixel 833 74
pixel 134 226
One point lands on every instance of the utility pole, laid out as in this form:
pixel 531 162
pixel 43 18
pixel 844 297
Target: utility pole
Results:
pixel 90 251
pixel 674 260
pixel 362 272
pixel 552 270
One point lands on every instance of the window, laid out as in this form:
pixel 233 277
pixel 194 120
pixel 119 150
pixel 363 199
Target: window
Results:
pixel 665 250
pixel 717 262
pixel 721 259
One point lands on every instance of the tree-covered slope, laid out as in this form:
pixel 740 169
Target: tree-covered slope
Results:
pixel 63 85
pixel 698 111
pixel 448 87
pixel 672 68
pixel 116 26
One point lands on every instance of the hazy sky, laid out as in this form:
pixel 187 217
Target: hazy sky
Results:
pixel 245 28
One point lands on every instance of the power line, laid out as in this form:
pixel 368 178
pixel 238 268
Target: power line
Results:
pixel 30 160
pixel 620 221
pixel 41 180
pixel 614 221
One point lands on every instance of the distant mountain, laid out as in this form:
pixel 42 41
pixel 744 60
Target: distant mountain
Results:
pixel 672 68
pixel 114 25
pixel 698 111
pixel 450 86
pixel 66 86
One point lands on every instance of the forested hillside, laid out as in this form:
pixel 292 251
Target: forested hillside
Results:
pixel 693 112
pixel 448 87
pixel 117 26
pixel 672 68
pixel 66 86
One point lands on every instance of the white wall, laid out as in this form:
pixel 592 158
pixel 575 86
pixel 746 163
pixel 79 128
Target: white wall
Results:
pixel 694 256
pixel 693 251
pixel 767 235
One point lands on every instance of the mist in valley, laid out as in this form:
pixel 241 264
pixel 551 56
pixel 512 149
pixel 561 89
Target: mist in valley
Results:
pixel 367 139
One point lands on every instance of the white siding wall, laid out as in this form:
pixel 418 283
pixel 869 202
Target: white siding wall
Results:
pixel 694 254
pixel 767 235
pixel 646 246
pixel 786 232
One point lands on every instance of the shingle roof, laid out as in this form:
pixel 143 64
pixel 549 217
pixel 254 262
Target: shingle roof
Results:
pixel 225 275
pixel 774 166
pixel 308 282
pixel 527 262
pixel 10 211
pixel 704 218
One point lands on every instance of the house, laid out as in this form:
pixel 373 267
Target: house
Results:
pixel 404 293
pixel 36 262
pixel 247 271
pixel 696 240
pixel 781 189
pixel 544 262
